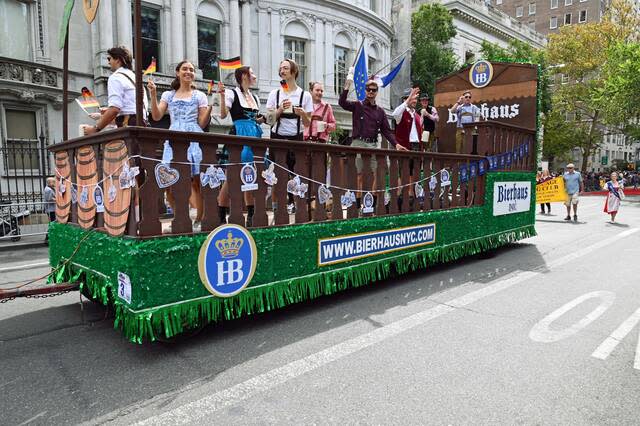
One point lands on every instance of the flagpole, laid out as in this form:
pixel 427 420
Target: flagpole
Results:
pixel 358 54
pixel 393 60
pixel 137 47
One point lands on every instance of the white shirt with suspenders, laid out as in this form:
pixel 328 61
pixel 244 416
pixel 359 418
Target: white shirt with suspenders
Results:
pixel 290 125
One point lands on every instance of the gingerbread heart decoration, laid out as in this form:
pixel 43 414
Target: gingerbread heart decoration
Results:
pixel 90 8
pixel 165 175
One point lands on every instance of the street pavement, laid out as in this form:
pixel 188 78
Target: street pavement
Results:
pixel 544 332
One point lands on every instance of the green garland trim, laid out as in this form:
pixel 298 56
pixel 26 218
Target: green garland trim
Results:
pixel 169 320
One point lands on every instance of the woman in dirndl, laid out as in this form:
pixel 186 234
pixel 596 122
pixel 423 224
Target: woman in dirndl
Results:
pixel 244 108
pixel 614 196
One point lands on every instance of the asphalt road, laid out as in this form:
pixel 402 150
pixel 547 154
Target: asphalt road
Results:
pixel 544 332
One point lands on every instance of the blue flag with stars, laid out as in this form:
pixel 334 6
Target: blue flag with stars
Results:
pixel 360 75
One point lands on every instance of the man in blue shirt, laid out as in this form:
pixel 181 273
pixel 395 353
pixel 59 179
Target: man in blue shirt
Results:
pixel 574 186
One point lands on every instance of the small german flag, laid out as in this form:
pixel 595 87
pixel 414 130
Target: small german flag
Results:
pixel 229 64
pixel 151 68
pixel 210 87
pixel 87 100
pixel 284 85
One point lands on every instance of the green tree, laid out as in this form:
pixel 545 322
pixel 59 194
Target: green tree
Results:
pixel 431 29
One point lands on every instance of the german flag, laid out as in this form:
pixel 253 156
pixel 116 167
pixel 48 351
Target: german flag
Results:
pixel 87 100
pixel 229 64
pixel 151 68
pixel 210 87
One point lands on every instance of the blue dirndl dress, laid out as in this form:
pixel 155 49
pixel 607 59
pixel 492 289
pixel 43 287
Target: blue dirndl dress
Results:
pixel 184 117
pixel 244 124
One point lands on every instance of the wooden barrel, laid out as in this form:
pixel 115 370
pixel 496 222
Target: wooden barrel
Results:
pixel 63 200
pixel 116 211
pixel 87 175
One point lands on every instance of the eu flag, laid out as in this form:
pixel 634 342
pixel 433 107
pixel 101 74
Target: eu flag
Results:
pixel 360 75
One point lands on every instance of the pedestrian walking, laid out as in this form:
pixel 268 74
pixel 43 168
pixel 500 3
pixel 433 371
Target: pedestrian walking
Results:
pixel 615 194
pixel 49 197
pixel 544 176
pixel 573 186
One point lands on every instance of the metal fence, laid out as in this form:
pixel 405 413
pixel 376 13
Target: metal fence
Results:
pixel 25 165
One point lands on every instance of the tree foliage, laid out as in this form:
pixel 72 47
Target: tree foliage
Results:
pixel 431 29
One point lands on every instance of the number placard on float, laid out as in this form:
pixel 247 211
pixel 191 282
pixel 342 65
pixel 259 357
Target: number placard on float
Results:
pixel 511 197
pixel 357 246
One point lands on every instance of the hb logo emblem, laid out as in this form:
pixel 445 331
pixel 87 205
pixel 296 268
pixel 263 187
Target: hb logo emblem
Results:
pixel 480 74
pixel 227 260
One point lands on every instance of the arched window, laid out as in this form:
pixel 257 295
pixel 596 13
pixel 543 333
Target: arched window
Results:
pixel 373 62
pixel 342 48
pixel 210 18
pixel 296 36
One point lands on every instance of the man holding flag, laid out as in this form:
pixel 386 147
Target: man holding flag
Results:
pixel 368 118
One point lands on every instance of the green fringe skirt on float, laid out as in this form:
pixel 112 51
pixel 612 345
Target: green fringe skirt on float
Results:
pixel 168 298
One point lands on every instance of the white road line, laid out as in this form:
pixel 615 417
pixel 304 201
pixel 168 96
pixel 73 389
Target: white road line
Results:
pixel 541 332
pixel 611 342
pixel 23 267
pixel 193 411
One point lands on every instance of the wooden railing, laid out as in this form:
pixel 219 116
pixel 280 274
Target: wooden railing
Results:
pixel 312 160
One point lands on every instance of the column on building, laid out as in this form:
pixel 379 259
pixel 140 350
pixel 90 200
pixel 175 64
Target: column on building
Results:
pixel 125 27
pixel 318 70
pixel 246 31
pixel 191 29
pixel 277 49
pixel 328 59
pixel 105 21
pixel 234 28
pixel 177 34
pixel 264 55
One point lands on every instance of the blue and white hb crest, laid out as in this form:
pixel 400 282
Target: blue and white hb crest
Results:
pixel 480 74
pixel 227 260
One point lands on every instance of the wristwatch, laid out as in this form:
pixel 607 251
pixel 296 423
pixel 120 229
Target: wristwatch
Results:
pixel 97 128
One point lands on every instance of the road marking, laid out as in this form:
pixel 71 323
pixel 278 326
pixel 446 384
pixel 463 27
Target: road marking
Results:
pixel 23 267
pixel 611 342
pixel 541 332
pixel 195 410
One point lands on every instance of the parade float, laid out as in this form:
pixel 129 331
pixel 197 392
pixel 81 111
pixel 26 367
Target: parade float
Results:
pixel 164 275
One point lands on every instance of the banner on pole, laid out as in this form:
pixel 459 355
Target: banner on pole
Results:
pixel 551 191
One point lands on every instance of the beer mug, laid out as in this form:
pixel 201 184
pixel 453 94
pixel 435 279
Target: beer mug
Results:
pixel 425 136
pixel 322 126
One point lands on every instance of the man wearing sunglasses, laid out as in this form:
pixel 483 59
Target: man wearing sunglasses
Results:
pixel 466 113
pixel 368 120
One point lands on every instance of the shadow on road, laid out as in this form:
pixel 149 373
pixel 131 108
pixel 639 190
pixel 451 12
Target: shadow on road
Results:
pixel 92 370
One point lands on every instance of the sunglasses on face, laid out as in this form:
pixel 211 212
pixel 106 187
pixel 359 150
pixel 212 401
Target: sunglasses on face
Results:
pixel 467 97
pixel 371 89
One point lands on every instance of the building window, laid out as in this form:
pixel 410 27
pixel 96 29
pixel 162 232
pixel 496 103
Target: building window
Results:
pixel 208 48
pixel 16 23
pixel 532 8
pixel 150 28
pixel 519 11
pixel 553 22
pixel 340 67
pixel 498 2
pixel 22 140
pixel 567 19
pixel 564 78
pixel 554 4
pixel 295 49
pixel 568 2
pixel 583 17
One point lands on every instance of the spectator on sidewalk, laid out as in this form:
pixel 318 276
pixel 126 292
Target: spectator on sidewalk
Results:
pixel 574 186
pixel 49 197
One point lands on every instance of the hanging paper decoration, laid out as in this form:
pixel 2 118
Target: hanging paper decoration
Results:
pixel 62 188
pixel 501 161
pixel 507 159
pixel 464 177
pixel 473 170
pixel 348 199
pixel 112 190
pixel 387 198
pixel 526 148
pixel 324 194
pixel 433 182
pixel 269 175
pixel 213 176
pixel 128 176
pixel 165 175
pixel 296 187
pixel 522 150
pixel 84 196
pixel 515 154
pixel 445 179
pixel 90 8
pixel 74 194
pixel 482 167
pixel 367 203
pixel 249 178
pixel 419 191
pixel 98 199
